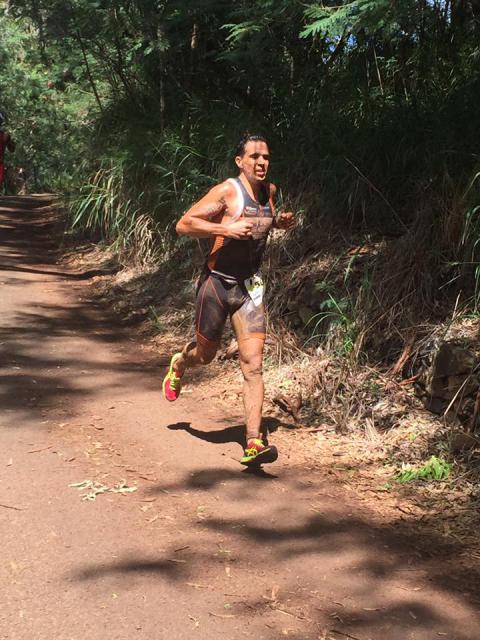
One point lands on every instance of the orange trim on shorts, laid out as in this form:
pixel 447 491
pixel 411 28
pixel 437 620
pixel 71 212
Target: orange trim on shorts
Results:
pixel 249 336
pixel 203 340
pixel 217 245
pixel 216 294
pixel 201 306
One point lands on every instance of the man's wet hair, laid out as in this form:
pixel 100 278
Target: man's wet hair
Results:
pixel 247 137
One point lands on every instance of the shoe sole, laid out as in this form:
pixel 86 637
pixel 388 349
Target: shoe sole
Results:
pixel 266 457
pixel 172 362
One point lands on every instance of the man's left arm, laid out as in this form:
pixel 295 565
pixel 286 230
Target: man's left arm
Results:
pixel 285 220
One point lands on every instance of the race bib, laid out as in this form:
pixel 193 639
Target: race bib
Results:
pixel 254 286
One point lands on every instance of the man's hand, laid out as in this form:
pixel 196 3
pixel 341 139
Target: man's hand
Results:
pixel 285 221
pixel 240 230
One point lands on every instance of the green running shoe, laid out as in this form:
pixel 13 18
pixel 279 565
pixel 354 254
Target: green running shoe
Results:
pixel 256 453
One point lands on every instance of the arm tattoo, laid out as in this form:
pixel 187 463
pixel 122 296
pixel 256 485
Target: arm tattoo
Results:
pixel 212 210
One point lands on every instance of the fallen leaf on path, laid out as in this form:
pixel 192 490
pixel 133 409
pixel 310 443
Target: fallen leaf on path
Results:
pixel 122 487
pixel 195 620
pixel 10 506
pixel 153 519
pixel 195 585
pixel 42 449
pixel 337 617
pixel 285 613
pixel 96 488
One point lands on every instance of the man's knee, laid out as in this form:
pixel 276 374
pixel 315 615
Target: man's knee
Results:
pixel 251 367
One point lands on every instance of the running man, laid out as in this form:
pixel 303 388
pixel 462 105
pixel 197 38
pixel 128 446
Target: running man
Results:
pixel 236 216
pixel 6 142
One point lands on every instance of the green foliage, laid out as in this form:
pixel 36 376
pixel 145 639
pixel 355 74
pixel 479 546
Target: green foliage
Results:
pixel 370 108
pixel 334 321
pixel 434 469
pixel 46 115
pixel 241 30
pixel 351 17
pixel 470 241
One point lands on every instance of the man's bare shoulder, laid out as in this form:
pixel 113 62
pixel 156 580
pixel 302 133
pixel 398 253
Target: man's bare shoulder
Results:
pixel 221 192
pixel 225 189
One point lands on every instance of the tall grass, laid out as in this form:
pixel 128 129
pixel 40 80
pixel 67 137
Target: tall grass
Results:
pixel 104 206
pixel 470 242
pixel 132 202
pixel 395 176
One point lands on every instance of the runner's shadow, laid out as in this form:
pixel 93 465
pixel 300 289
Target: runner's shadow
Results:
pixel 219 436
pixel 235 433
pixel 259 472
pixel 222 436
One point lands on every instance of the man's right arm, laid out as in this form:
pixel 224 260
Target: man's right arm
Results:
pixel 198 222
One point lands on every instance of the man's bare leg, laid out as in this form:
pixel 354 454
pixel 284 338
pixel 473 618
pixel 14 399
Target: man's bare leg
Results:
pixel 251 358
pixel 193 354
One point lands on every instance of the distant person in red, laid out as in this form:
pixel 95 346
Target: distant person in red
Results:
pixel 6 142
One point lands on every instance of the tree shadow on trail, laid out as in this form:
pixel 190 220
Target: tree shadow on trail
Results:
pixel 393 579
pixel 364 580
pixel 37 371
pixel 207 479
pixel 67 275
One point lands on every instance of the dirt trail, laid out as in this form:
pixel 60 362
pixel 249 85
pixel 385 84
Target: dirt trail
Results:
pixel 201 549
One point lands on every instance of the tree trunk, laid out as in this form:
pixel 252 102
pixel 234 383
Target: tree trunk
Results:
pixel 87 67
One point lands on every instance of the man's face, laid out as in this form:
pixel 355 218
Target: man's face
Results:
pixel 254 162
